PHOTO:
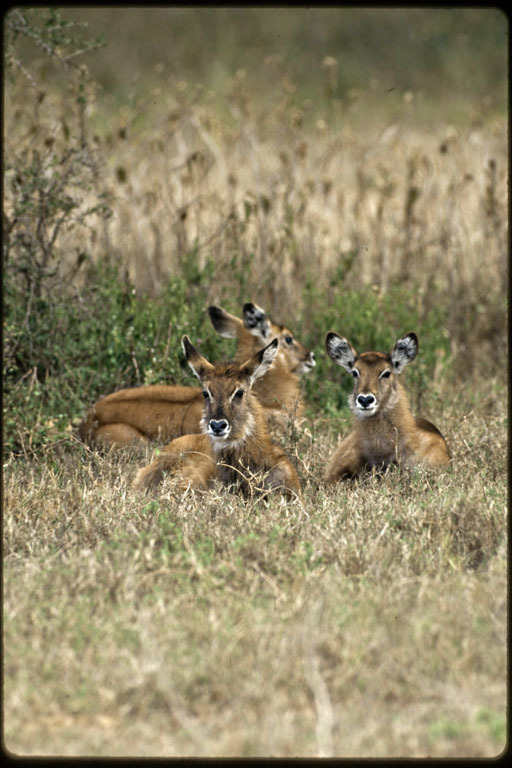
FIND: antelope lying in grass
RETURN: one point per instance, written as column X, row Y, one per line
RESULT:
column 142, row 414
column 279, row 390
column 162, row 412
column 235, row 445
column 385, row 430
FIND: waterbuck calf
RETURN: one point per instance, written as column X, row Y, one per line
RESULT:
column 162, row 412
column 279, row 390
column 255, row 330
column 385, row 430
column 141, row 414
column 235, row 446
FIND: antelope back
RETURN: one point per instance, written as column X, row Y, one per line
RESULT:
column 230, row 410
column 376, row 386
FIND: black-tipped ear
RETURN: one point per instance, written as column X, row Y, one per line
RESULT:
column 404, row 351
column 187, row 346
column 225, row 324
column 199, row 364
column 340, row 351
column 256, row 320
column 259, row 363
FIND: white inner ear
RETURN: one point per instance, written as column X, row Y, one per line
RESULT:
column 229, row 332
column 259, row 332
column 261, row 329
column 404, row 352
column 268, row 358
column 227, row 325
column 187, row 358
column 341, row 353
column 194, row 370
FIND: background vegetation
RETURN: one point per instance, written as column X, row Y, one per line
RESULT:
column 347, row 170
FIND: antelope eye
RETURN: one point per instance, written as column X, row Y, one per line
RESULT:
column 206, row 394
column 355, row 373
column 288, row 339
column 239, row 394
column 385, row 374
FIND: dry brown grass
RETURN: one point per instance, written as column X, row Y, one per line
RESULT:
column 369, row 620
column 391, row 201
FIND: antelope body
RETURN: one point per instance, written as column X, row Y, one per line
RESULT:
column 142, row 414
column 162, row 412
column 235, row 446
column 385, row 430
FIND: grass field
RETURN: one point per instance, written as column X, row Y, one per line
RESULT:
column 366, row 620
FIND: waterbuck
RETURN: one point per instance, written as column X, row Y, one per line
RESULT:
column 235, row 445
column 279, row 390
column 162, row 412
column 384, row 430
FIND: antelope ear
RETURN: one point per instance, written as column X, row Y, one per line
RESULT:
column 256, row 321
column 404, row 351
column 258, row 364
column 225, row 324
column 340, row 350
column 199, row 364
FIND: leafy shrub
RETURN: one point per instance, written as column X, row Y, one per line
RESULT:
column 69, row 350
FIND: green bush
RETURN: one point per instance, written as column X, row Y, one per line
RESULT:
column 68, row 351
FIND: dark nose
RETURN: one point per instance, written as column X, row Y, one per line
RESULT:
column 365, row 400
column 218, row 427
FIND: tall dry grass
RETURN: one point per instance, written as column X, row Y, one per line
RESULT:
column 270, row 197
column 260, row 193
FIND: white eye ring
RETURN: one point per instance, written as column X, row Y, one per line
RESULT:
column 385, row 374
column 355, row 373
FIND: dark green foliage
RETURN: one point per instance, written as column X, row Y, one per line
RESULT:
column 68, row 350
